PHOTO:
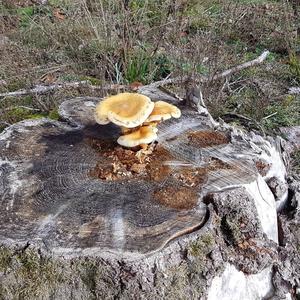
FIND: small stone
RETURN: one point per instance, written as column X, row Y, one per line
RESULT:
column 278, row 188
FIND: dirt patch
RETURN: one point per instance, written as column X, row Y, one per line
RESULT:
column 178, row 198
column 207, row 138
column 121, row 163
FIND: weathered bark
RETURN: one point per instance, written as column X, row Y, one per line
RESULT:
column 68, row 235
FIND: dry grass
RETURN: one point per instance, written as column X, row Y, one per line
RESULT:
column 125, row 41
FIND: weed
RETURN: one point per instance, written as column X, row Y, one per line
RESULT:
column 294, row 66
column 5, row 259
column 138, row 68
column 126, row 41
column 53, row 114
column 26, row 14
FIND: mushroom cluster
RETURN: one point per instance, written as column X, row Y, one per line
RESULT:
column 137, row 116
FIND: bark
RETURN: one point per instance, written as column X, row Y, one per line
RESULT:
column 66, row 234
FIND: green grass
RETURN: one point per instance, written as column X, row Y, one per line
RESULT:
column 294, row 66
column 285, row 113
column 149, row 40
column 26, row 14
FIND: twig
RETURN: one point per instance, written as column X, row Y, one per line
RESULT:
column 243, row 66
column 21, row 106
column 5, row 123
column 43, row 89
column 269, row 116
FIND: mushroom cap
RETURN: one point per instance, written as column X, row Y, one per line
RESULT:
column 125, row 109
column 163, row 111
column 143, row 135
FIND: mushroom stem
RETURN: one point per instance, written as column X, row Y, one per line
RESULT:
column 144, row 146
column 126, row 130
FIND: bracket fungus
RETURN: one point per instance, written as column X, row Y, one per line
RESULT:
column 137, row 115
column 163, row 111
column 126, row 109
column 143, row 135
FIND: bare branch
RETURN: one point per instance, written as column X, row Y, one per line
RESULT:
column 217, row 76
column 243, row 66
column 20, row 106
column 43, row 89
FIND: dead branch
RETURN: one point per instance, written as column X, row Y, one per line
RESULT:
column 43, row 89
column 217, row 76
column 243, row 66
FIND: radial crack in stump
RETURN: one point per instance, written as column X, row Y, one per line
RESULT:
column 75, row 190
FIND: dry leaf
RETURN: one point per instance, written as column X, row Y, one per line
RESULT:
column 58, row 14
column 135, row 85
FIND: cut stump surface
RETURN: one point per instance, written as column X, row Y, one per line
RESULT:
column 54, row 192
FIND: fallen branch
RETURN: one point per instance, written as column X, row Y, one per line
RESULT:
column 21, row 106
column 44, row 89
column 243, row 66
column 217, row 76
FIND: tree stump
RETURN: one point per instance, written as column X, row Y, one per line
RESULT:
column 83, row 218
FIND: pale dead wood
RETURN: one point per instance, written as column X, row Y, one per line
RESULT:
column 217, row 76
column 294, row 90
column 44, row 89
column 21, row 106
column 243, row 66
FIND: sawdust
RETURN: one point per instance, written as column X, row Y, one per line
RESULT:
column 177, row 197
column 262, row 167
column 208, row 138
column 178, row 185
column 218, row 164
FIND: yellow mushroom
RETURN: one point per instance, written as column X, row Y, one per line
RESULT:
column 143, row 135
column 125, row 109
column 163, row 111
